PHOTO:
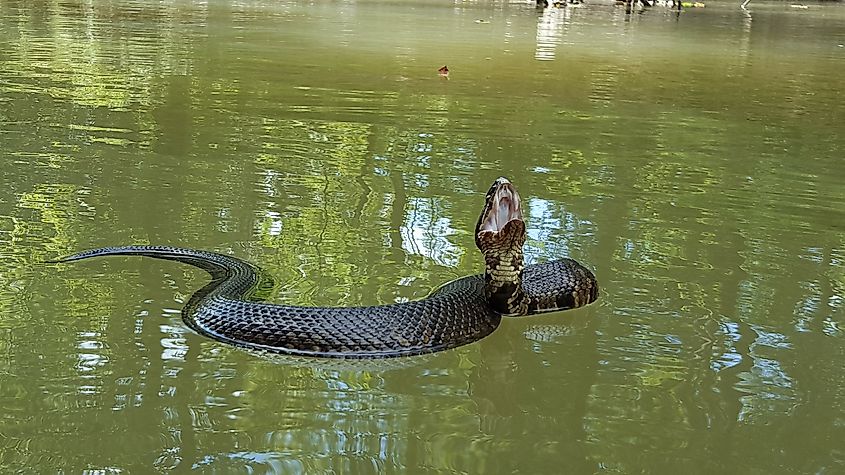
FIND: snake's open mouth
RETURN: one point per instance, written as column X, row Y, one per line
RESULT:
column 502, row 206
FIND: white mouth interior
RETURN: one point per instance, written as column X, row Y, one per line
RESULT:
column 504, row 209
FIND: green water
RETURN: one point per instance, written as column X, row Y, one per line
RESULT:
column 693, row 160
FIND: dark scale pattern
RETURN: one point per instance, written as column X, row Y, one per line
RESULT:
column 453, row 315
column 558, row 285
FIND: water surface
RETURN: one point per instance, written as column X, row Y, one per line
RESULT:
column 693, row 160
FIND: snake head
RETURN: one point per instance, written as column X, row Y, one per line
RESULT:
column 501, row 219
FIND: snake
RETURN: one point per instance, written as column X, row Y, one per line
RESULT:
column 229, row 308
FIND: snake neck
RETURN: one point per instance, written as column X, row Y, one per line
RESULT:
column 503, row 268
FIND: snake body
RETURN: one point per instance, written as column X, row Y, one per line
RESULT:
column 460, row 312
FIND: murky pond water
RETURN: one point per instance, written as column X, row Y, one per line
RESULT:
column 693, row 160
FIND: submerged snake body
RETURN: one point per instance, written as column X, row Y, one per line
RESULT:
column 453, row 315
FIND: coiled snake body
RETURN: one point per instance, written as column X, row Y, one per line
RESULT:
column 460, row 312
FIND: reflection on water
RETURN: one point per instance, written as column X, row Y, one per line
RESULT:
column 551, row 28
column 691, row 159
column 426, row 234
